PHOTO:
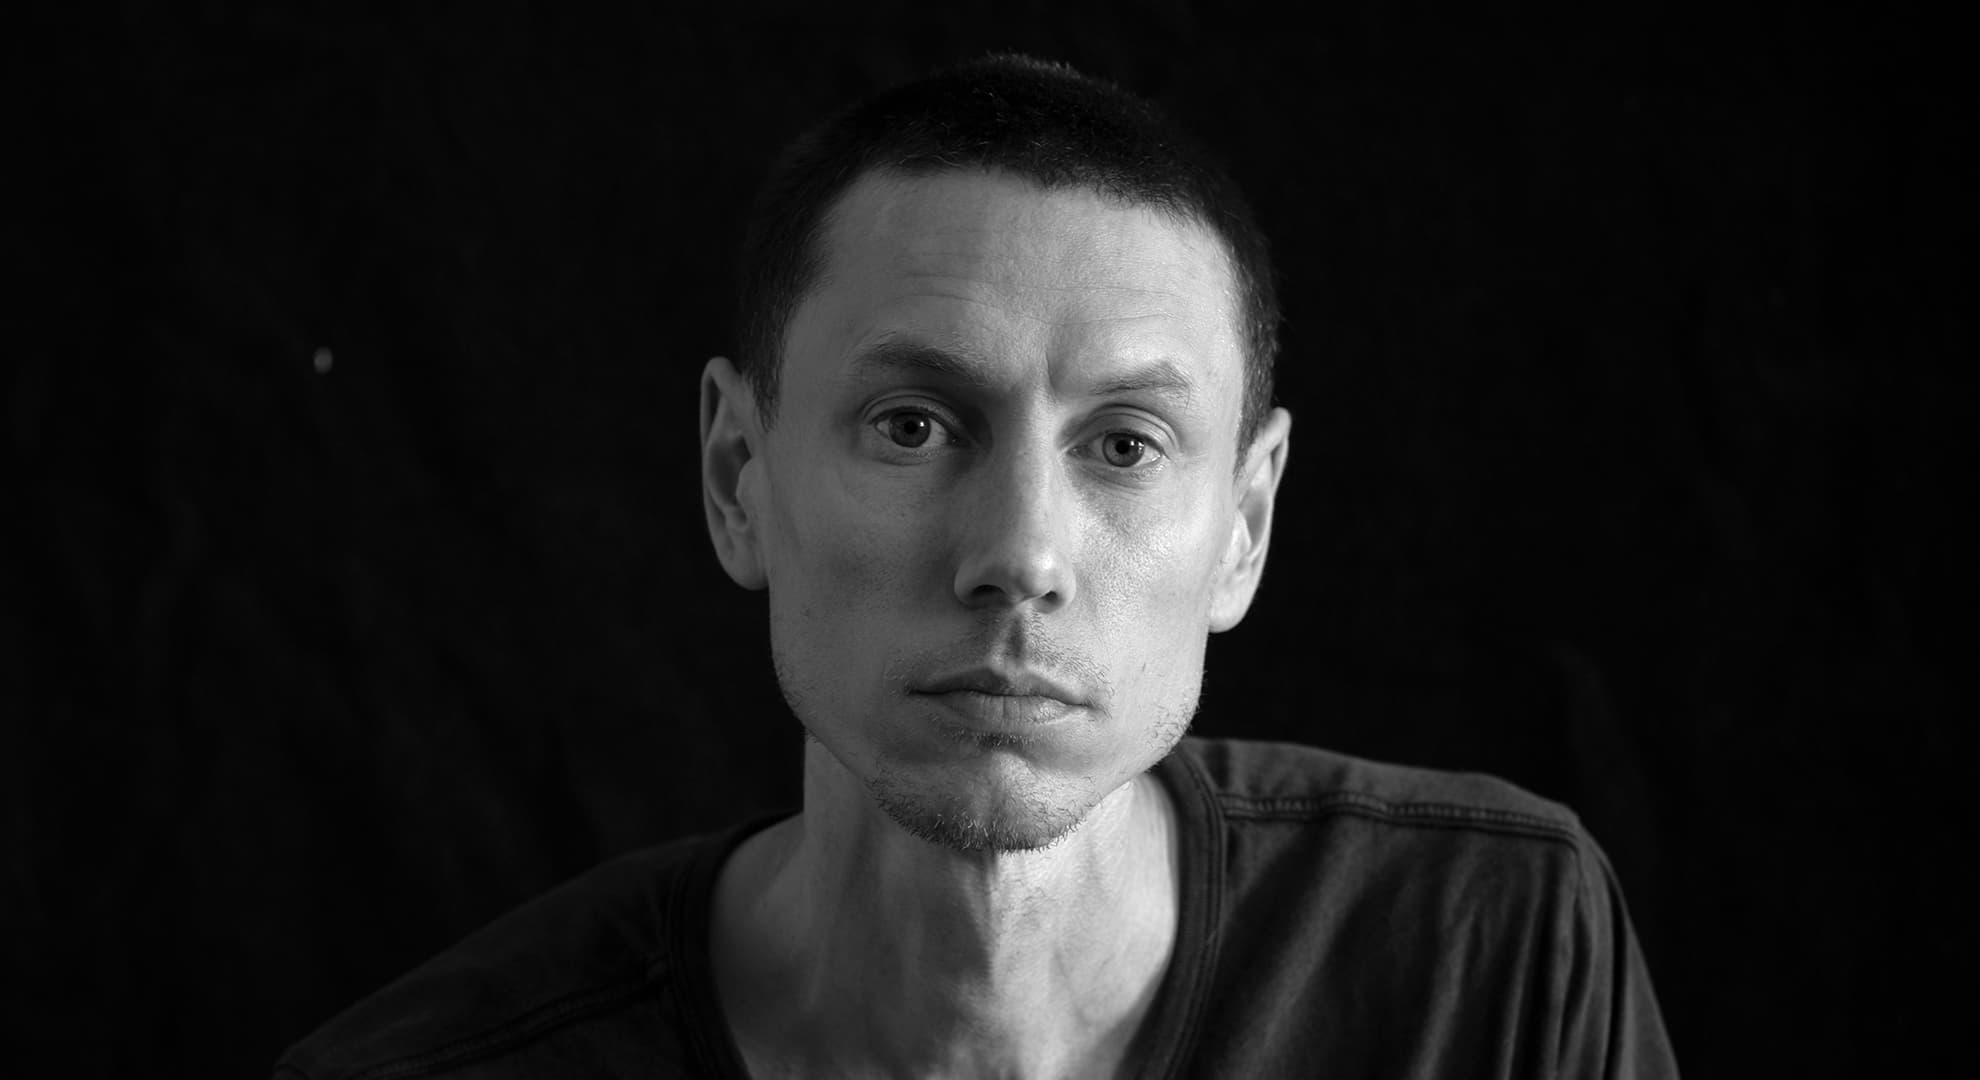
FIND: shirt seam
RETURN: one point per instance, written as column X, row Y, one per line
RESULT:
column 1424, row 814
column 703, row 1027
column 1209, row 916
column 690, row 916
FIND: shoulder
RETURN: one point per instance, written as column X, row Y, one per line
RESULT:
column 579, row 956
column 1308, row 834
column 1285, row 814
column 1266, row 781
column 1331, row 886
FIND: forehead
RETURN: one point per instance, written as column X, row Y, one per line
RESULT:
column 997, row 266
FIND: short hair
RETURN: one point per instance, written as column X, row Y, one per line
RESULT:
column 1039, row 120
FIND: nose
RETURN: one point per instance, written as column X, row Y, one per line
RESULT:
column 1014, row 536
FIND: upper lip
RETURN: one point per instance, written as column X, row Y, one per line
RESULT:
column 1002, row 684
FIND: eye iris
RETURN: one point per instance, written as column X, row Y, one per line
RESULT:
column 909, row 429
column 1123, row 449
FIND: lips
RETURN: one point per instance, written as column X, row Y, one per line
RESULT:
column 994, row 701
column 992, row 683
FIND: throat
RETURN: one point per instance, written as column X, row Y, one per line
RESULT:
column 900, row 957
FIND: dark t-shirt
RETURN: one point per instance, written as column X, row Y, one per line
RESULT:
column 1337, row 917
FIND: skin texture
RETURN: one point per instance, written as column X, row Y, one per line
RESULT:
column 999, row 510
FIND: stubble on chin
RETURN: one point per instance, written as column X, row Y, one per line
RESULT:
column 1014, row 821
column 1022, row 815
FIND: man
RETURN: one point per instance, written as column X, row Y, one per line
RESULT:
column 999, row 442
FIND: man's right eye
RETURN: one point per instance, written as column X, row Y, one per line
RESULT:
column 910, row 428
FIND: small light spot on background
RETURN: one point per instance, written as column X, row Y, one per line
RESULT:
column 322, row 360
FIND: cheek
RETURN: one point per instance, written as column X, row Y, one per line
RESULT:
column 1150, row 576
column 843, row 564
column 1155, row 564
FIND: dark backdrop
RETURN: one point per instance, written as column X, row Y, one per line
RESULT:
column 1624, row 468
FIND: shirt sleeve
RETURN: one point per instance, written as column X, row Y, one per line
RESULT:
column 1612, row 1029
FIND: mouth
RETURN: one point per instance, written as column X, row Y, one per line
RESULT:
column 988, row 682
column 994, row 702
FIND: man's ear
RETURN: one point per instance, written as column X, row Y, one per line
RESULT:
column 730, row 463
column 1251, row 527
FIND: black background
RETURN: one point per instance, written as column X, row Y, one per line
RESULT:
column 1626, row 466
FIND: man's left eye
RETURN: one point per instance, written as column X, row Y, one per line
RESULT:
column 1125, row 449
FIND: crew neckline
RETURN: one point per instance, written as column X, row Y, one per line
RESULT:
column 1168, row 1033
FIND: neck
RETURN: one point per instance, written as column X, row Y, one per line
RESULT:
column 857, row 948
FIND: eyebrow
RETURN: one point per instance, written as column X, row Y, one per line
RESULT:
column 897, row 357
column 1161, row 377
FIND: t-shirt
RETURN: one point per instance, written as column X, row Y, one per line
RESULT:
column 1336, row 918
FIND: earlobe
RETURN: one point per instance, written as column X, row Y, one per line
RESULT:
column 729, row 445
column 1251, row 527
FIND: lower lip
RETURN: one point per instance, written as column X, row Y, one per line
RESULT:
column 1013, row 714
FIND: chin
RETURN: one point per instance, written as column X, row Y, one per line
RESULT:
column 995, row 803
column 1010, row 827
column 1004, row 801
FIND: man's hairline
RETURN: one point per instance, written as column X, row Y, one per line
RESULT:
column 813, row 263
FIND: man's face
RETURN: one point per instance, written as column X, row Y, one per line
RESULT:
column 998, row 508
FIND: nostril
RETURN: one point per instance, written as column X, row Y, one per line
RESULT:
column 1042, row 590
column 1013, row 594
column 1012, row 549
